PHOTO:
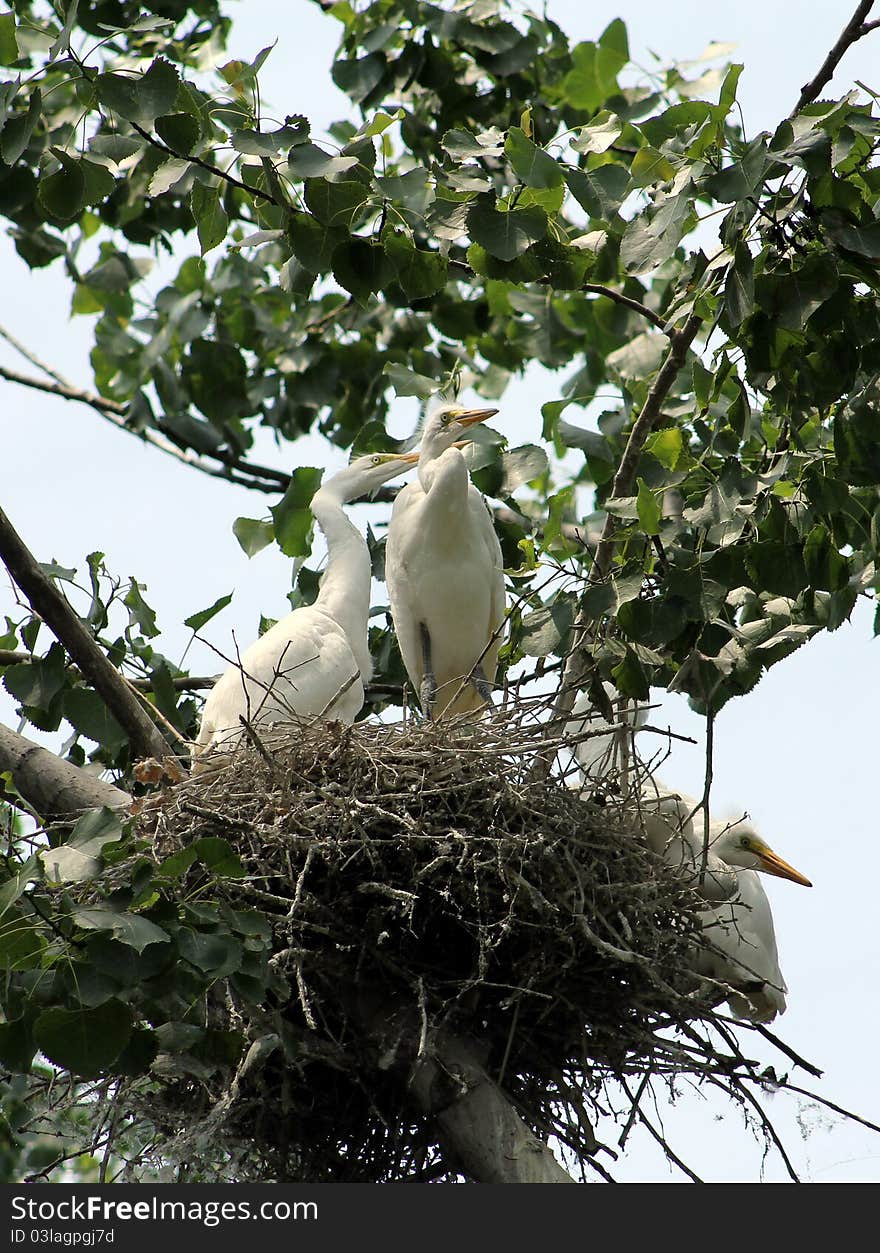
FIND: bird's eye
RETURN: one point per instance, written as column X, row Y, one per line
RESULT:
column 744, row 841
column 445, row 419
column 376, row 460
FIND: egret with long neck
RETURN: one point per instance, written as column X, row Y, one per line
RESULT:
column 315, row 661
column 444, row 571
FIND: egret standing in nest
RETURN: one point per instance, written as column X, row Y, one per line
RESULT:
column 315, row 661
column 740, row 940
column 444, row 572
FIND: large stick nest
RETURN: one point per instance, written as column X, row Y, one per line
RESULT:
column 424, row 875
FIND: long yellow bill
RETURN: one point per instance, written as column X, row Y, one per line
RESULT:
column 772, row 863
column 468, row 417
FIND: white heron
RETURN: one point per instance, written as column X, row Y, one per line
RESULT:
column 444, row 572
column 740, row 941
column 315, row 661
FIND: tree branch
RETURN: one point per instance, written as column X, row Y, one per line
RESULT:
column 185, row 683
column 205, row 165
column 854, row 30
column 623, row 485
column 53, row 607
column 482, row 1131
column 637, row 307
column 53, row 787
column 235, row 469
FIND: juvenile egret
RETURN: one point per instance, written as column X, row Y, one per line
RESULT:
column 740, row 941
column 313, row 662
column 444, row 572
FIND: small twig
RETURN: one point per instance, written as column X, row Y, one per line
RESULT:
column 854, row 30
column 627, row 301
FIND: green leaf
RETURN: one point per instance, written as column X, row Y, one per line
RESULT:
column 180, row 131
column 17, row 1047
column 210, row 216
column 598, row 136
column 408, row 382
column 253, row 535
column 140, row 98
column 292, row 515
column 601, row 192
column 593, row 77
column 16, row 886
column 84, row 1041
column 310, row 161
column 462, row 144
column 667, row 445
column 18, row 130
column 648, row 509
column 505, row 235
column 21, row 944
column 216, row 375
column 361, row 267
column 313, row 242
column 650, row 166
column 521, row 465
column 357, row 78
column 129, row 929
column 739, row 287
column 419, row 273
column 335, row 204
column 215, row 954
column 86, row 712
column 531, row 164
column 63, row 194
column 196, row 621
column 78, row 858
column 218, row 856
column 630, row 678
column 140, row 614
column 9, row 52
column 546, row 630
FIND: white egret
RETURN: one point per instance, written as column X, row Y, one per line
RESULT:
column 740, row 941
column 444, row 572
column 315, row 661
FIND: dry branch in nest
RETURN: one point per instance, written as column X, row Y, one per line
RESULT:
column 421, row 882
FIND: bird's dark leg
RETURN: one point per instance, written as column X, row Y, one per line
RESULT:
column 482, row 684
column 428, row 685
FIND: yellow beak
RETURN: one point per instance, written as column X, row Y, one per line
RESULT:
column 772, row 863
column 468, row 417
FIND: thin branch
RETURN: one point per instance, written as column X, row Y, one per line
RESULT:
column 53, row 607
column 235, row 469
column 184, row 683
column 854, row 30
column 636, row 305
column 205, row 165
column 652, row 410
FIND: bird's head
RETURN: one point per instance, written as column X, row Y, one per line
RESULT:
column 366, row 474
column 740, row 845
column 446, row 423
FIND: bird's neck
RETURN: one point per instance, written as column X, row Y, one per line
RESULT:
column 345, row 587
column 445, row 481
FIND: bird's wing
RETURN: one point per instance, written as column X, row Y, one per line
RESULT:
column 299, row 667
column 742, row 930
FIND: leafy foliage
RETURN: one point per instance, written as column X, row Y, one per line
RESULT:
column 505, row 199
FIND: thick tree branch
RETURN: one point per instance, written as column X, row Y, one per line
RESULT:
column 484, row 1135
column 52, row 787
column 855, row 29
column 52, row 606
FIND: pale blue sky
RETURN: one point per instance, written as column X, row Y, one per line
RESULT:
column 799, row 753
